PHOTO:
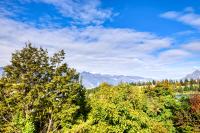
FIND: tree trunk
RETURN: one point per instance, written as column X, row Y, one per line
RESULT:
column 49, row 126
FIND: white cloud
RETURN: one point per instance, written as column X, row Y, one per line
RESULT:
column 170, row 15
column 188, row 16
column 99, row 49
column 193, row 46
column 174, row 55
column 81, row 11
column 94, row 49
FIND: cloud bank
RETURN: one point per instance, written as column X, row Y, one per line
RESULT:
column 95, row 48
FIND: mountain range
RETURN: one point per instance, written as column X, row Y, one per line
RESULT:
column 194, row 75
column 91, row 80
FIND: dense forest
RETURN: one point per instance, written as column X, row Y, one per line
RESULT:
column 41, row 94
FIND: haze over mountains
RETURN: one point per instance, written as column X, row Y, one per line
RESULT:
column 194, row 75
column 91, row 80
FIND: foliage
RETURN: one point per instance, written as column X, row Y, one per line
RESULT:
column 40, row 93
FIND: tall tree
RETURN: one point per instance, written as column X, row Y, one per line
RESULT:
column 40, row 93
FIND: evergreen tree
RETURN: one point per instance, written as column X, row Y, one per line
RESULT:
column 39, row 93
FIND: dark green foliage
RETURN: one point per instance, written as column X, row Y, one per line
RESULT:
column 39, row 93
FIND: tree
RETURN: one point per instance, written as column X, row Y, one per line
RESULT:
column 40, row 92
column 126, row 108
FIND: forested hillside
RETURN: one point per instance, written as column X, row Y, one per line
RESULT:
column 41, row 94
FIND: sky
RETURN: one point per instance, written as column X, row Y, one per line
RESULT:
column 149, row 38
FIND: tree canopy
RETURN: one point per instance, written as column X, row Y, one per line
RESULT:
column 40, row 93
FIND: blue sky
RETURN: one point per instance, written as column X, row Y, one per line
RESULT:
column 158, row 39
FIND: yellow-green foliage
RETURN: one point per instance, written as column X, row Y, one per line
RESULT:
column 125, row 108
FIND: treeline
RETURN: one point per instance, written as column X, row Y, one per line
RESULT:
column 179, row 85
column 41, row 94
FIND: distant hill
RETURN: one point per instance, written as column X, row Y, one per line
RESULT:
column 194, row 75
column 93, row 80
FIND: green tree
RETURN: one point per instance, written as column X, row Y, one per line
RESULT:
column 124, row 108
column 39, row 93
